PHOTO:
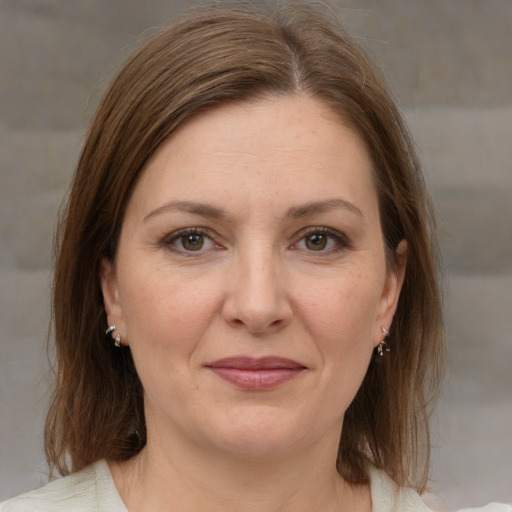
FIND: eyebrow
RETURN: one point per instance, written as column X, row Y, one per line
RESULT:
column 213, row 212
column 202, row 209
column 317, row 207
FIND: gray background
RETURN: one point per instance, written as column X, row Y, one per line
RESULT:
column 449, row 62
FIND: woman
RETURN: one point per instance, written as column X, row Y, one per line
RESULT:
column 246, row 306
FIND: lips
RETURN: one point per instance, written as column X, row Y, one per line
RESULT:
column 257, row 374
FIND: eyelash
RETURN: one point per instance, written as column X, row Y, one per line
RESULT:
column 340, row 240
column 171, row 239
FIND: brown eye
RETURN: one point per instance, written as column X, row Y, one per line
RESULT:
column 316, row 242
column 192, row 242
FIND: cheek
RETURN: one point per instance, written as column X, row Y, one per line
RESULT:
column 164, row 312
column 342, row 313
column 166, row 320
column 339, row 318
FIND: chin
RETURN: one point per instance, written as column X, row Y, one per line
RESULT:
column 257, row 432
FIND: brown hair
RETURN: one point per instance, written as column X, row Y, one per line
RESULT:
column 217, row 55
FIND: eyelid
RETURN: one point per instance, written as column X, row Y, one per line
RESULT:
column 194, row 230
column 169, row 240
column 341, row 239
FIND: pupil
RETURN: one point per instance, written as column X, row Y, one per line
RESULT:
column 193, row 242
column 316, row 242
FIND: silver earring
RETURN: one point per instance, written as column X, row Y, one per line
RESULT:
column 117, row 341
column 382, row 348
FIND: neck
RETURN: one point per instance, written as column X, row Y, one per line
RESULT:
column 189, row 479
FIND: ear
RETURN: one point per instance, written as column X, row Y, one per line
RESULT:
column 110, row 290
column 391, row 292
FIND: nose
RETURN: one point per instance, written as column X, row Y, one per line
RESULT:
column 257, row 298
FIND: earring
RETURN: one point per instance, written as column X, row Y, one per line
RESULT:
column 117, row 341
column 382, row 348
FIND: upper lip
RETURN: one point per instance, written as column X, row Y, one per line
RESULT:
column 257, row 363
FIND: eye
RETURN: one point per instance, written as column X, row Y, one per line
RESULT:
column 316, row 241
column 190, row 240
column 322, row 240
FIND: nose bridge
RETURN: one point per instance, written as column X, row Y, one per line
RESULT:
column 258, row 296
column 259, row 277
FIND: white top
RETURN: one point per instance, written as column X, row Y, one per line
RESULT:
column 93, row 490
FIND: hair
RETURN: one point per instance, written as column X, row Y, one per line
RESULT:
column 217, row 55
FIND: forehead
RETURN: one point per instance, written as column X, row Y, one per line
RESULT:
column 278, row 148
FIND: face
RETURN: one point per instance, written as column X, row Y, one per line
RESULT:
column 250, row 281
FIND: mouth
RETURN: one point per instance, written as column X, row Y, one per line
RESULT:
column 256, row 374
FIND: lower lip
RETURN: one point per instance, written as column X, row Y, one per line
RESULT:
column 257, row 380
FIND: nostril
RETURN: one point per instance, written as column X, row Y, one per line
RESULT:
column 258, row 326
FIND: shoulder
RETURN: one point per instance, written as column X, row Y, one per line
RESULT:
column 492, row 507
column 89, row 490
column 62, row 494
column 388, row 497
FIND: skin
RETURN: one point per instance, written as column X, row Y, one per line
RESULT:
column 289, row 262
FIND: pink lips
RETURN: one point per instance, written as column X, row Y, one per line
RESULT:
column 257, row 374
